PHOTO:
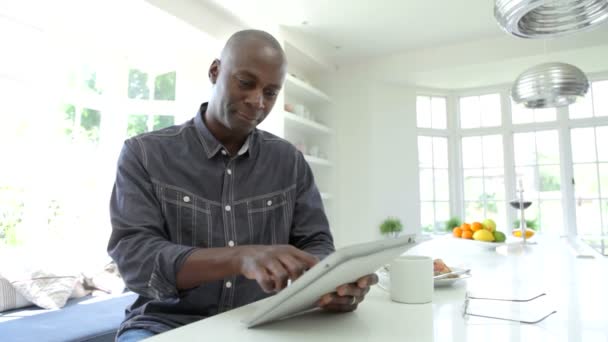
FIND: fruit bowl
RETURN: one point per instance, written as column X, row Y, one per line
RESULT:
column 482, row 244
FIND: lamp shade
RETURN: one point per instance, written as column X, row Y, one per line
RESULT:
column 549, row 18
column 550, row 85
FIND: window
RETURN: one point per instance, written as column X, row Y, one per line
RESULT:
column 521, row 115
column 595, row 102
column 431, row 112
column 434, row 182
column 141, row 123
column 537, row 165
column 480, row 111
column 483, row 178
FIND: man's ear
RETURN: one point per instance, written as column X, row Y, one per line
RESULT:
column 214, row 70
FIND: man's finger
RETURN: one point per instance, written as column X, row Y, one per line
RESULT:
column 264, row 280
column 294, row 267
column 349, row 290
column 368, row 280
column 308, row 259
column 278, row 273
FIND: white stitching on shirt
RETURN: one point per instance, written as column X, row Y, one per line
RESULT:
column 189, row 193
column 143, row 151
column 249, row 199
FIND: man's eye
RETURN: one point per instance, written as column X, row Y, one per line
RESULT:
column 271, row 93
column 245, row 83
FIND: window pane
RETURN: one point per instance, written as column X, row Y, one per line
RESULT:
column 527, row 174
column 604, row 180
column 162, row 121
column 439, row 115
column 473, row 184
column 440, row 152
column 600, row 98
column 521, row 114
column 492, row 151
column 601, row 134
column 549, row 181
column 547, row 146
column 425, row 151
column 494, row 184
column 473, row 211
column 164, row 87
column 490, row 110
column 544, row 115
column 471, row 152
column 551, row 219
column 605, row 215
column 583, row 145
column 427, row 216
column 469, row 112
column 588, row 219
column 442, row 185
column 90, row 121
column 423, row 111
column 523, row 145
column 585, row 177
column 442, row 214
column 582, row 108
column 137, row 124
column 495, row 210
column 138, row 85
column 426, row 184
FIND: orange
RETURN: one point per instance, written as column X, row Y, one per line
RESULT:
column 475, row 226
column 457, row 232
column 465, row 226
column 467, row 234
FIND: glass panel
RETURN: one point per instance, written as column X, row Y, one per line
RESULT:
column 439, row 115
column 588, row 219
column 473, row 211
column 494, row 184
column 90, row 121
column 585, row 177
column 544, row 115
column 426, row 184
column 604, row 180
column 162, row 121
column 521, row 114
column 551, row 219
column 582, row 108
column 490, row 110
column 137, row 124
column 495, row 210
column 425, row 151
column 601, row 133
column 549, row 178
column 492, row 151
column 583, row 145
column 547, row 147
column 138, row 85
column 471, row 152
column 423, row 111
column 442, row 185
column 427, row 216
column 527, row 174
column 605, row 216
column 473, row 184
column 469, row 112
column 164, row 87
column 440, row 152
column 442, row 214
column 523, row 145
column 600, row 98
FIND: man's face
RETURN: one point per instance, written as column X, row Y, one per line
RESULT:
column 247, row 85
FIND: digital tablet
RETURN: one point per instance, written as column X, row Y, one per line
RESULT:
column 346, row 265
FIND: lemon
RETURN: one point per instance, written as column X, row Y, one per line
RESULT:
column 483, row 235
column 499, row 236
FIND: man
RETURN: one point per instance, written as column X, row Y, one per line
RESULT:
column 215, row 214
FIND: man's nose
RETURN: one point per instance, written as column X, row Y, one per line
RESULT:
column 256, row 99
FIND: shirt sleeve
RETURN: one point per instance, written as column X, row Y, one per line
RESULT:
column 310, row 228
column 139, row 244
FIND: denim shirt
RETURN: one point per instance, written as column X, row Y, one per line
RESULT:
column 177, row 189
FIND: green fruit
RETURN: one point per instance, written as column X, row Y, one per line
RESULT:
column 483, row 235
column 499, row 236
column 489, row 225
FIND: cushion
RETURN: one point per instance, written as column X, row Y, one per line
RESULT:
column 47, row 290
column 10, row 298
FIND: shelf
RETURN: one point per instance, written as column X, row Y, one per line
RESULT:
column 301, row 123
column 304, row 91
column 325, row 196
column 317, row 160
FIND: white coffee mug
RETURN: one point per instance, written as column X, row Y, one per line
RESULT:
column 412, row 279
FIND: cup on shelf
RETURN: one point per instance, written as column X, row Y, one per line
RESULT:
column 289, row 107
column 314, row 151
column 301, row 147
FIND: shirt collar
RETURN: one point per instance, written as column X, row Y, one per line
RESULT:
column 210, row 143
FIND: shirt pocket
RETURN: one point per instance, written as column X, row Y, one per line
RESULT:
column 268, row 218
column 188, row 217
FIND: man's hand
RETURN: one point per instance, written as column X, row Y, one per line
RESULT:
column 272, row 266
column 348, row 296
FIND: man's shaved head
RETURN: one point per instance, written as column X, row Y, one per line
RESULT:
column 247, row 37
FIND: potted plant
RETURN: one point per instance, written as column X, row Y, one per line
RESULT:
column 452, row 223
column 391, row 227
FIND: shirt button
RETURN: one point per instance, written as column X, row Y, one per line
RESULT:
column 228, row 284
column 269, row 203
column 224, row 152
column 229, row 171
column 186, row 199
column 227, row 208
column 231, row 243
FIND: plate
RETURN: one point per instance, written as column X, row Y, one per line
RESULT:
column 450, row 281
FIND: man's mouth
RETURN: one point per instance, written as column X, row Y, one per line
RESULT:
column 247, row 117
